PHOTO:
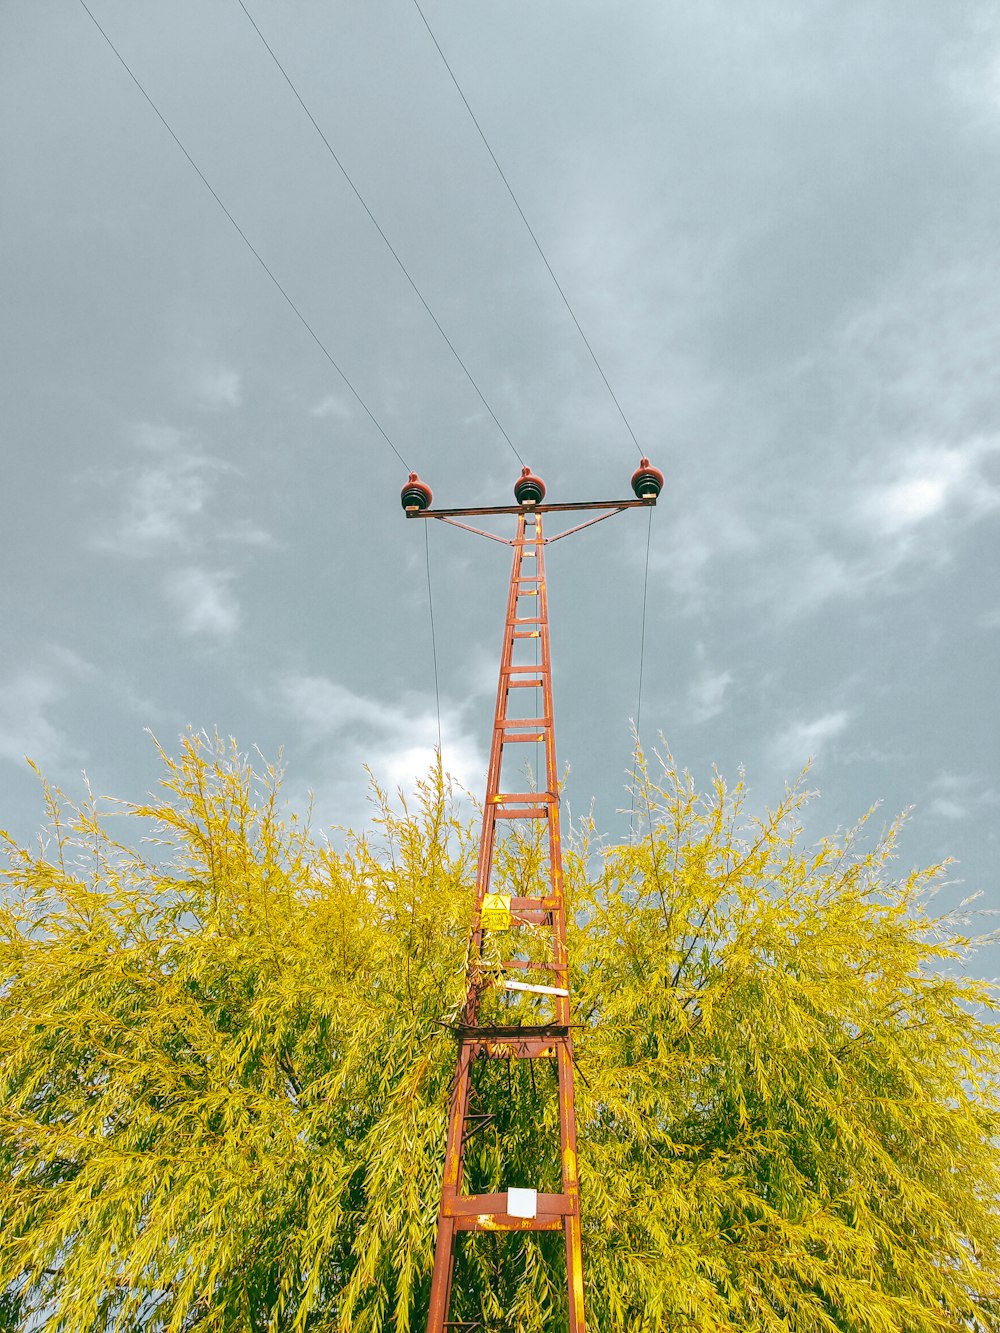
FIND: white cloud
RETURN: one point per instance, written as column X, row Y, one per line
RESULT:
column 707, row 695
column 398, row 766
column 921, row 352
column 860, row 532
column 219, row 388
column 479, row 673
column 957, row 796
column 397, row 741
column 332, row 406
column 166, row 499
column 156, row 437
column 325, row 707
column 26, row 729
column 805, row 740
column 695, row 537
column 241, row 532
column 203, row 601
column 906, row 466
column 815, row 577
column 161, row 503
column 948, row 809
column 27, row 701
column 929, row 480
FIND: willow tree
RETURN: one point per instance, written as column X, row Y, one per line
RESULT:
column 225, row 1055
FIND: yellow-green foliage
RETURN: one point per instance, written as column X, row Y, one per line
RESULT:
column 224, row 1078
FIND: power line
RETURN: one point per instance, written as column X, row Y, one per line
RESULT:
column 375, row 223
column 434, row 651
column 538, row 246
column 246, row 240
column 642, row 659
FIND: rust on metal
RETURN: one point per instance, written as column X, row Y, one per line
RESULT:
column 460, row 1211
column 552, row 1041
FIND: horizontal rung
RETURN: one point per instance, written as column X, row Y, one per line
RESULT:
column 532, row 911
column 524, row 670
column 543, row 1222
column 526, row 634
column 501, row 1032
column 525, row 812
column 525, row 684
column 515, row 1048
column 532, row 736
column 510, row 722
column 510, row 797
column 495, row 1205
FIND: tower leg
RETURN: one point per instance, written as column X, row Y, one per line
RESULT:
column 444, row 1253
column 571, row 1187
column 444, row 1267
column 574, row 1274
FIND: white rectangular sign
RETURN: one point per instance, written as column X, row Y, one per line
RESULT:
column 535, row 990
column 522, row 1203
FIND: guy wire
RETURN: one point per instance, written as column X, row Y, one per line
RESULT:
column 537, row 243
column 375, row 223
column 246, row 240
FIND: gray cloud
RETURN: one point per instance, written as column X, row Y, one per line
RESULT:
column 778, row 226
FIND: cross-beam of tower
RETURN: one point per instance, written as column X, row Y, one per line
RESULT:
column 533, row 982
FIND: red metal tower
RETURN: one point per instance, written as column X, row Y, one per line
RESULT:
column 539, row 981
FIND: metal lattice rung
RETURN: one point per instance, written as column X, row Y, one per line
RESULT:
column 524, row 797
column 481, row 1121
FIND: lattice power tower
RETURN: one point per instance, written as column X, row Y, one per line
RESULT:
column 535, row 981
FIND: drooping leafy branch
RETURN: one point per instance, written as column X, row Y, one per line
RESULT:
column 224, row 1075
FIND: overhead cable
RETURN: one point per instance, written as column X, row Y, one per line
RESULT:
column 246, row 240
column 434, row 651
column 642, row 659
column 531, row 233
column 388, row 244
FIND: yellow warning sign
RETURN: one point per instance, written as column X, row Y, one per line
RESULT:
column 496, row 911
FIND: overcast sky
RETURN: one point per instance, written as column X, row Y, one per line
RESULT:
column 777, row 224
